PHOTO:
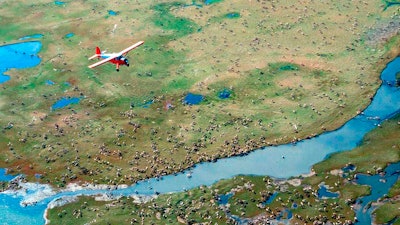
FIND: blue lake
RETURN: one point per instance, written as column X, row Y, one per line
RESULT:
column 64, row 102
column 297, row 159
column 19, row 56
column 193, row 99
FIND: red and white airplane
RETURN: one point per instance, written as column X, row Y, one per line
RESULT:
column 115, row 58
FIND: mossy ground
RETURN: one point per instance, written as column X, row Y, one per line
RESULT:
column 295, row 71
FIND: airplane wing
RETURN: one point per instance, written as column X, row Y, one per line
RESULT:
column 125, row 51
column 112, row 56
column 94, row 56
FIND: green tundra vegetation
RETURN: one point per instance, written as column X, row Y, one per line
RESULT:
column 292, row 70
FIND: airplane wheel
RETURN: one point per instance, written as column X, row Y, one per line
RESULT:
column 127, row 65
column 117, row 70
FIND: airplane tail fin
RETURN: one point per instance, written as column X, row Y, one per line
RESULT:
column 98, row 54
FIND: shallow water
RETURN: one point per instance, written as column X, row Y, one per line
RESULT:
column 12, row 213
column 380, row 185
column 270, row 199
column 268, row 161
column 232, row 15
column 4, row 176
column 49, row 82
column 60, row 3
column 209, row 2
column 224, row 199
column 31, row 36
column 324, row 193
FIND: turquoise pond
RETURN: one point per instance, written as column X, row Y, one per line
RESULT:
column 288, row 67
column 28, row 206
column 49, row 82
column 69, row 35
column 232, row 15
column 59, row 3
column 209, row 2
column 112, row 13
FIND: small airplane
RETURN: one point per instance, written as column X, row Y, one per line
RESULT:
column 115, row 58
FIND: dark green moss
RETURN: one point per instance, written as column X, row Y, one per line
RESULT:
column 282, row 66
column 167, row 21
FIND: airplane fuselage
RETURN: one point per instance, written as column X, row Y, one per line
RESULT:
column 118, row 61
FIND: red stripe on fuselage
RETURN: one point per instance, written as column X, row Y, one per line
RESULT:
column 117, row 61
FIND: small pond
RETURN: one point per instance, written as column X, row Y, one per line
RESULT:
column 69, row 35
column 64, row 102
column 225, row 93
column 193, row 99
column 232, row 15
column 112, row 13
column 59, row 3
column 324, row 193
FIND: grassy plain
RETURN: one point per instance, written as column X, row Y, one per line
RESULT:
column 200, row 205
column 295, row 69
